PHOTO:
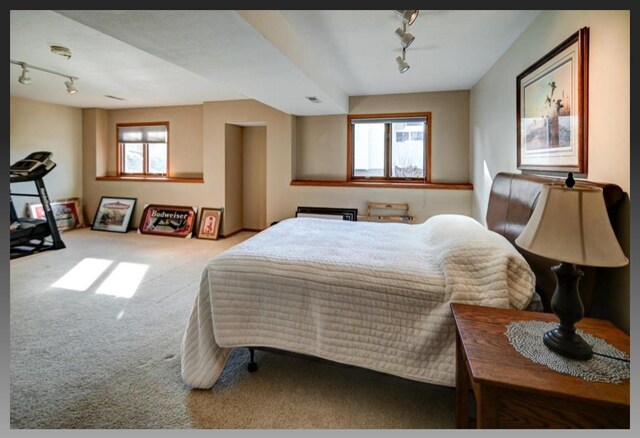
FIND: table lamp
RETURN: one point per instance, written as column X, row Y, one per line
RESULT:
column 570, row 224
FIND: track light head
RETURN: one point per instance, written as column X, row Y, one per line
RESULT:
column 71, row 89
column 408, row 16
column 24, row 78
column 405, row 37
column 403, row 66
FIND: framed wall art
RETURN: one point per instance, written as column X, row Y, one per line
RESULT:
column 67, row 212
column 552, row 109
column 114, row 214
column 168, row 220
column 209, row 226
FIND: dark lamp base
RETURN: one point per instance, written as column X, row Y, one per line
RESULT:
column 570, row 345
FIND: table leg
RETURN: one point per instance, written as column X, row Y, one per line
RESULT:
column 462, row 387
column 486, row 407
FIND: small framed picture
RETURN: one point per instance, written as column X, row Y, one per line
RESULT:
column 168, row 220
column 114, row 214
column 67, row 212
column 209, row 223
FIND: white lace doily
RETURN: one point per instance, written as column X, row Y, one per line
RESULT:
column 526, row 338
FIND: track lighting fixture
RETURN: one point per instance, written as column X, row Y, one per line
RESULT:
column 405, row 37
column 409, row 16
column 26, row 79
column 403, row 66
column 71, row 89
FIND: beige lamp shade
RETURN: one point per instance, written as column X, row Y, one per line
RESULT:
column 571, row 225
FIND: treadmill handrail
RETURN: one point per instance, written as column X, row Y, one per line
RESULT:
column 38, row 173
column 25, row 194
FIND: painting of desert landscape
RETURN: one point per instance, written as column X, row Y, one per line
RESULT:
column 546, row 119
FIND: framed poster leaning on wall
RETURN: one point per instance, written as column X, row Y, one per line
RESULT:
column 67, row 212
column 114, row 214
column 209, row 226
column 168, row 220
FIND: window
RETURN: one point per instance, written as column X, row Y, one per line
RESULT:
column 143, row 149
column 390, row 147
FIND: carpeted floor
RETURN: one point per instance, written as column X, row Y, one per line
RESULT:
column 83, row 357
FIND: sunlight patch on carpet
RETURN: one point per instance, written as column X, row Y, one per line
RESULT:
column 124, row 280
column 83, row 275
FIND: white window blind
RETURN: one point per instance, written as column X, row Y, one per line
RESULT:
column 142, row 134
column 391, row 120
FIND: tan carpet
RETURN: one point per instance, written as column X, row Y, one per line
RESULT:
column 81, row 359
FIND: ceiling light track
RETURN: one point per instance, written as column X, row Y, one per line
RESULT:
column 25, row 79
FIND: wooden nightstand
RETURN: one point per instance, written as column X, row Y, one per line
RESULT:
column 511, row 391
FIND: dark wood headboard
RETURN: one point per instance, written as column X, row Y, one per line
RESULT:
column 511, row 202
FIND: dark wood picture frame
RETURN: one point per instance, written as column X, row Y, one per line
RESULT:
column 114, row 213
column 347, row 214
column 168, row 220
column 552, row 130
column 209, row 223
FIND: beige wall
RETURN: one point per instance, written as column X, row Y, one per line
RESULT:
column 185, row 143
column 254, row 177
column 210, row 157
column 422, row 203
column 37, row 126
column 95, row 147
column 185, row 135
column 278, row 149
column 493, row 98
column 282, row 152
column 321, row 141
column 493, row 114
column 321, row 153
column 233, row 179
column 449, row 127
column 321, row 147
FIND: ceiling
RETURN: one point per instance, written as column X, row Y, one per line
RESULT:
column 157, row 58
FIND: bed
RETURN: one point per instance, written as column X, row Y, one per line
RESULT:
column 373, row 295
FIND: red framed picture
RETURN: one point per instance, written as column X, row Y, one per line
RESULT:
column 67, row 212
column 168, row 220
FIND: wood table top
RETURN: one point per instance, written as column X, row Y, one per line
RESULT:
column 492, row 359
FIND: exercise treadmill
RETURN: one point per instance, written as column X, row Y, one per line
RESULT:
column 31, row 235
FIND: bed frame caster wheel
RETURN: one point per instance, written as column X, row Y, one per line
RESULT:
column 253, row 366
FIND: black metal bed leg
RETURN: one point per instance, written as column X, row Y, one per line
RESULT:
column 253, row 366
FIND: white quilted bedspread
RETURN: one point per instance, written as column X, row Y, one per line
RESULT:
column 374, row 295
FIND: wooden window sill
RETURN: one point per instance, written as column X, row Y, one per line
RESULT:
column 151, row 179
column 384, row 184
